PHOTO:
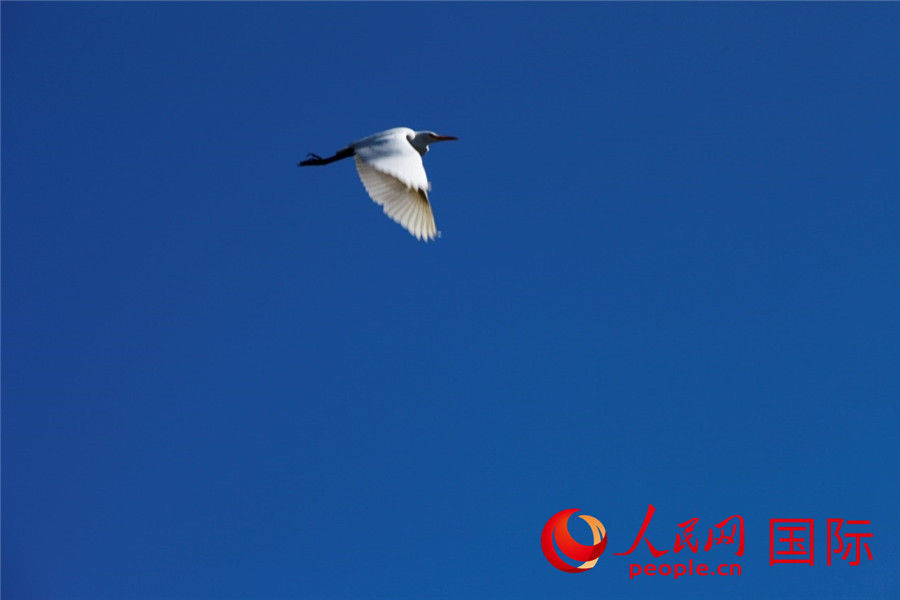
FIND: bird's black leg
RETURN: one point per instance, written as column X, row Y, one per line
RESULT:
column 315, row 160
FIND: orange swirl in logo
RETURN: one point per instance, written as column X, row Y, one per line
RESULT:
column 557, row 528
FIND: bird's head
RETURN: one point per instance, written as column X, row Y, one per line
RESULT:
column 421, row 139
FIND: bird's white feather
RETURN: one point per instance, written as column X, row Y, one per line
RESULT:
column 390, row 152
column 406, row 205
column 394, row 176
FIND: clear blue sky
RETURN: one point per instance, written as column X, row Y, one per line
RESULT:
column 668, row 274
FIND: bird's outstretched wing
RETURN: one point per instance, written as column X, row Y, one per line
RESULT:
column 392, row 172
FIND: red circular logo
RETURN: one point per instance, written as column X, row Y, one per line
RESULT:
column 557, row 529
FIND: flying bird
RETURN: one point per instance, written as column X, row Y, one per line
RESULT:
column 390, row 166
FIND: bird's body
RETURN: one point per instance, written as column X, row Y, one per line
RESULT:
column 390, row 166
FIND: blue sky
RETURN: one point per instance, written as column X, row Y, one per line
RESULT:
column 668, row 274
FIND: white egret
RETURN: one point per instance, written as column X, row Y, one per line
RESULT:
column 390, row 166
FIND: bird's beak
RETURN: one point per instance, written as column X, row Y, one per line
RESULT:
column 445, row 138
